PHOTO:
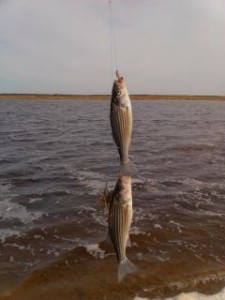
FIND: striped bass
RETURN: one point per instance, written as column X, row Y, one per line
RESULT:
column 119, row 220
column 121, row 123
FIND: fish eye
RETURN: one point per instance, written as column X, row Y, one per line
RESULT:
column 118, row 92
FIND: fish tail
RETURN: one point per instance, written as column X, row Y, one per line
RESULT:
column 127, row 169
column 125, row 267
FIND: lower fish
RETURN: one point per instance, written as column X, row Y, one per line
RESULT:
column 119, row 221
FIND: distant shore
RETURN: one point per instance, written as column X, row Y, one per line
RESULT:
column 107, row 97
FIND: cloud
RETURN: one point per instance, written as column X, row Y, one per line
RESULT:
column 58, row 46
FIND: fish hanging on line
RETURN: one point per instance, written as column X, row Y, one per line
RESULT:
column 119, row 203
column 121, row 123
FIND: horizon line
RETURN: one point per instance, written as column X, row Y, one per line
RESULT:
column 103, row 94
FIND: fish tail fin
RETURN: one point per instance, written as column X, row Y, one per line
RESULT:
column 128, row 168
column 125, row 267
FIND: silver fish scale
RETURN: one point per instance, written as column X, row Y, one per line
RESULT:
column 121, row 122
column 119, row 224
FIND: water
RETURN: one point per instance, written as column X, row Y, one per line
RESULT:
column 55, row 157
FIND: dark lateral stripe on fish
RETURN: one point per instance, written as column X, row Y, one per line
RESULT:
column 123, row 239
column 121, row 133
column 113, row 230
column 123, row 119
column 116, row 128
column 115, row 234
column 119, row 231
column 125, row 134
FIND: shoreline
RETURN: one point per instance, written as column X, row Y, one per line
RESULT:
column 14, row 96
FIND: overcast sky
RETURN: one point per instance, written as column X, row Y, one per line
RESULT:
column 63, row 46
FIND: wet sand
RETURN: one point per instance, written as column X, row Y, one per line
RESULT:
column 91, row 273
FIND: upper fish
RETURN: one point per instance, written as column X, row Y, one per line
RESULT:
column 121, row 123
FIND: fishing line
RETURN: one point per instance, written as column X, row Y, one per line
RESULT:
column 112, row 41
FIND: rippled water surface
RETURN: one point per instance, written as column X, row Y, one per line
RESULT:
column 55, row 157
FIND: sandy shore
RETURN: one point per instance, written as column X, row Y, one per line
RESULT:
column 84, row 274
column 107, row 97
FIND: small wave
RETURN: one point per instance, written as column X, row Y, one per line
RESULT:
column 10, row 210
column 143, row 214
column 6, row 232
column 193, row 183
column 192, row 296
column 87, row 212
column 194, row 147
column 100, row 217
column 204, row 279
column 150, row 185
column 137, row 231
column 34, row 200
column 94, row 181
column 202, row 201
column 210, row 213
column 177, row 225
column 198, row 184
column 158, row 226
column 5, row 187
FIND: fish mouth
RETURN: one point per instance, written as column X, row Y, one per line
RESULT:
column 119, row 83
column 120, row 79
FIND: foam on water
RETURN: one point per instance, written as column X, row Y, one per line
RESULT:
column 34, row 200
column 191, row 296
column 150, row 185
column 194, row 183
column 95, row 251
column 177, row 225
column 210, row 213
column 94, row 181
column 6, row 232
column 10, row 210
column 5, row 187
column 140, row 214
column 98, row 215
column 198, row 184
column 101, row 217
column 134, row 230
